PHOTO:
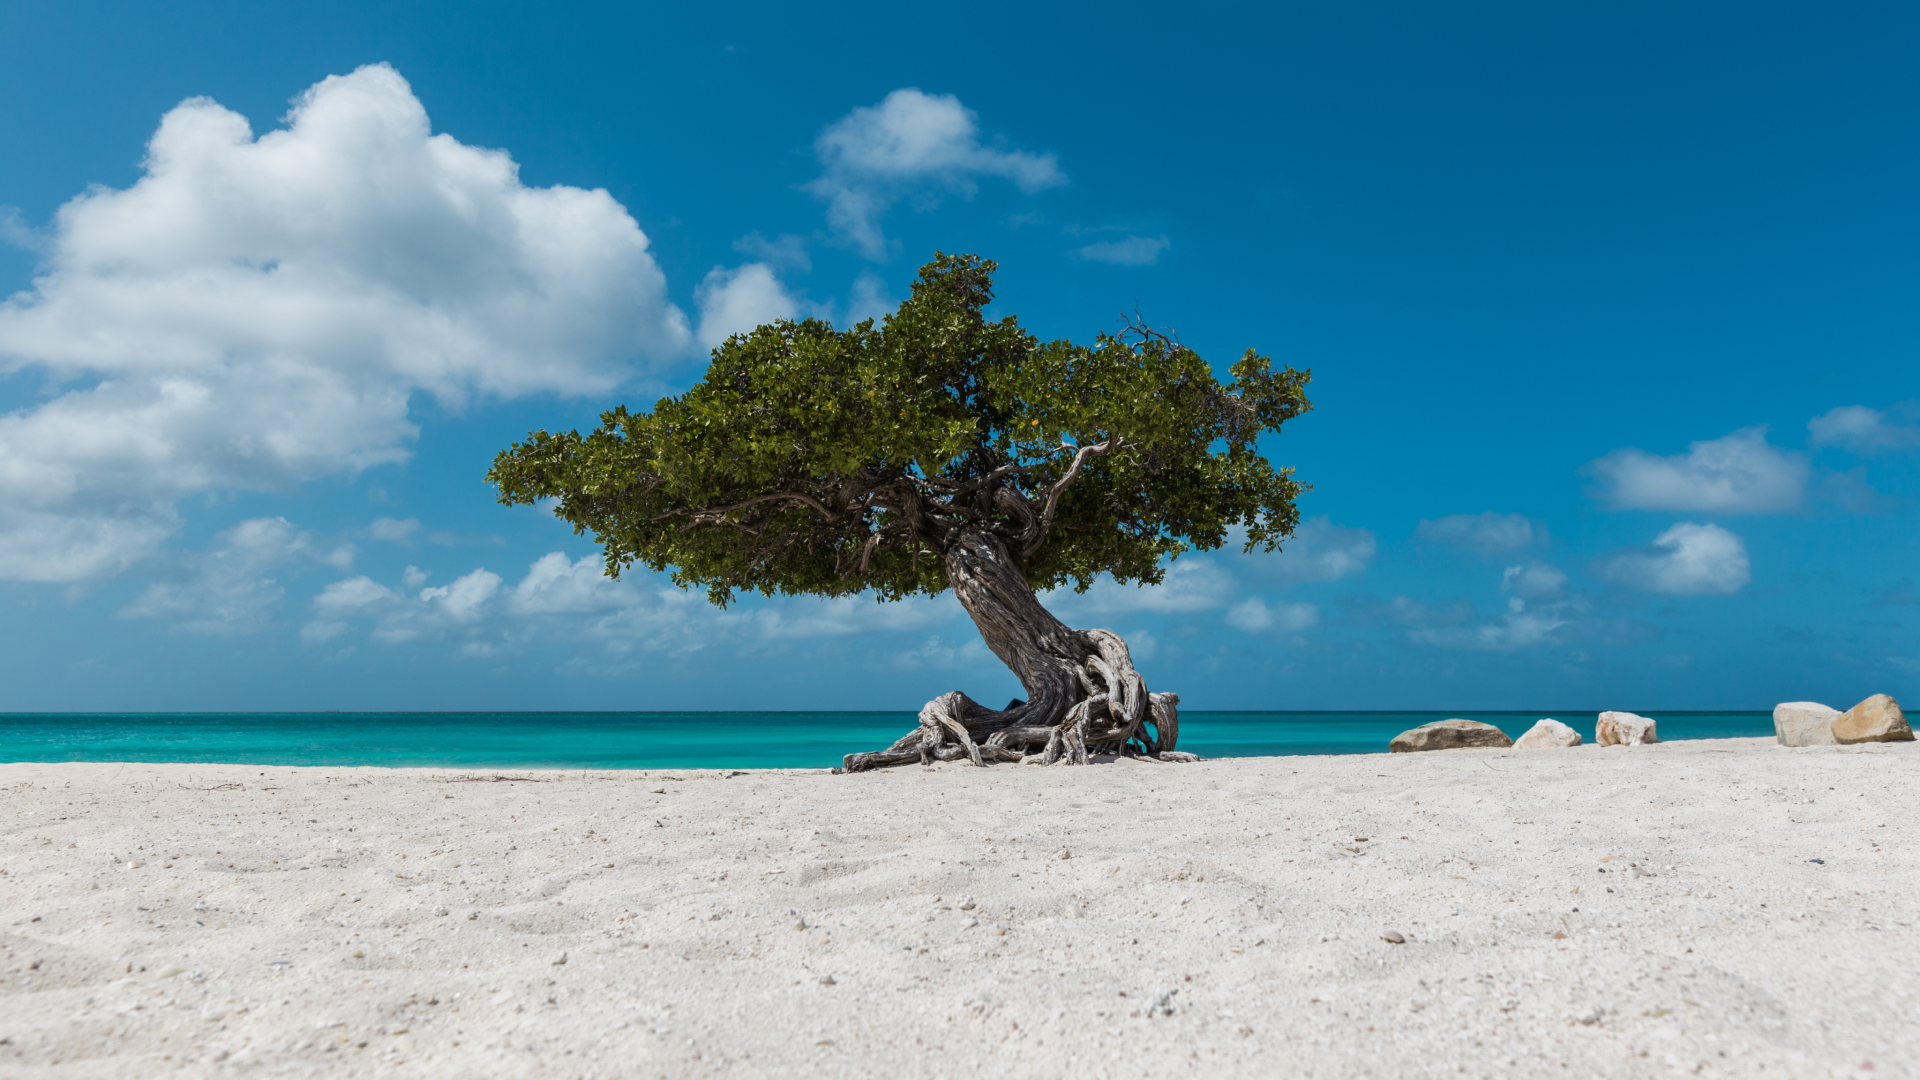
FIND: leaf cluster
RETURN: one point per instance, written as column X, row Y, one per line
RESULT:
column 811, row 460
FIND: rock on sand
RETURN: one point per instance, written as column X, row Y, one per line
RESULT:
column 1624, row 729
column 1803, row 723
column 1449, row 735
column 1547, row 734
column 1877, row 719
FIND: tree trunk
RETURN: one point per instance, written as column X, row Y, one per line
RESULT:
column 1083, row 695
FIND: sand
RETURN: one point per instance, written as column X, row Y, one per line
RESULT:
column 1720, row 908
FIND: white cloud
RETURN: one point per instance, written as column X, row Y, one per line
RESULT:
column 351, row 596
column 735, row 301
column 562, row 598
column 458, row 608
column 1253, row 615
column 943, row 653
column 465, row 600
column 254, row 313
column 806, row 618
column 1193, row 583
column 1487, row 532
column 1538, row 581
column 1535, row 613
column 738, row 300
column 453, row 609
column 556, row 584
column 1517, row 630
column 15, row 231
column 1864, row 431
column 394, row 530
column 1738, row 473
column 1318, row 551
column 911, row 143
column 1132, row 251
column 868, row 299
column 228, row 590
column 1686, row 560
column 340, row 600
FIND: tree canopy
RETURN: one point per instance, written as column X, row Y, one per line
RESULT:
column 811, row 460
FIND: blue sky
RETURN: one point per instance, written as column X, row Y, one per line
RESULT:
column 1612, row 316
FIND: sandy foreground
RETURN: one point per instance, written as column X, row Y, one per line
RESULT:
column 1721, row 908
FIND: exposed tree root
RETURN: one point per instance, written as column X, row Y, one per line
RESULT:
column 1116, row 715
column 1083, row 695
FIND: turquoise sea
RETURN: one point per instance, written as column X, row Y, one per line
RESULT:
column 685, row 740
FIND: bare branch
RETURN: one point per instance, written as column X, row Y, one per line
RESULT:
column 714, row 514
column 1105, row 446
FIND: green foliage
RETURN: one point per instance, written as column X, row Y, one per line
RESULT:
column 822, row 461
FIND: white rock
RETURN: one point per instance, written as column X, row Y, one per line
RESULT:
column 1803, row 723
column 1624, row 729
column 1546, row 735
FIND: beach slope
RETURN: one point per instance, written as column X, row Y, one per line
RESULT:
column 1725, row 907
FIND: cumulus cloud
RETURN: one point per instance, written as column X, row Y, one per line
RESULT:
column 911, row 144
column 573, row 599
column 256, row 312
column 1686, row 560
column 1254, row 615
column 14, row 230
column 1538, row 581
column 1536, row 613
column 555, row 584
column 1862, row 430
column 1487, row 533
column 1193, row 584
column 1132, row 251
column 1318, row 551
column 229, row 589
column 1740, row 473
column 400, row 617
column 735, row 301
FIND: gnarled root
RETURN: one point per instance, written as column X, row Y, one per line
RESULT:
column 1112, row 714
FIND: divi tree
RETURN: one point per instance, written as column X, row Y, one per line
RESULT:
column 940, row 450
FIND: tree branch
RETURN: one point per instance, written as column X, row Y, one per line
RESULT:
column 1107, row 445
column 713, row 514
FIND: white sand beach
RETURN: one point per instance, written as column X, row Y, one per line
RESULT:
column 1714, row 908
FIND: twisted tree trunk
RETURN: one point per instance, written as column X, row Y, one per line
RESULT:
column 1083, row 695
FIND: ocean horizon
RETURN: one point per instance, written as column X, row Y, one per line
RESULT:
column 691, row 740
